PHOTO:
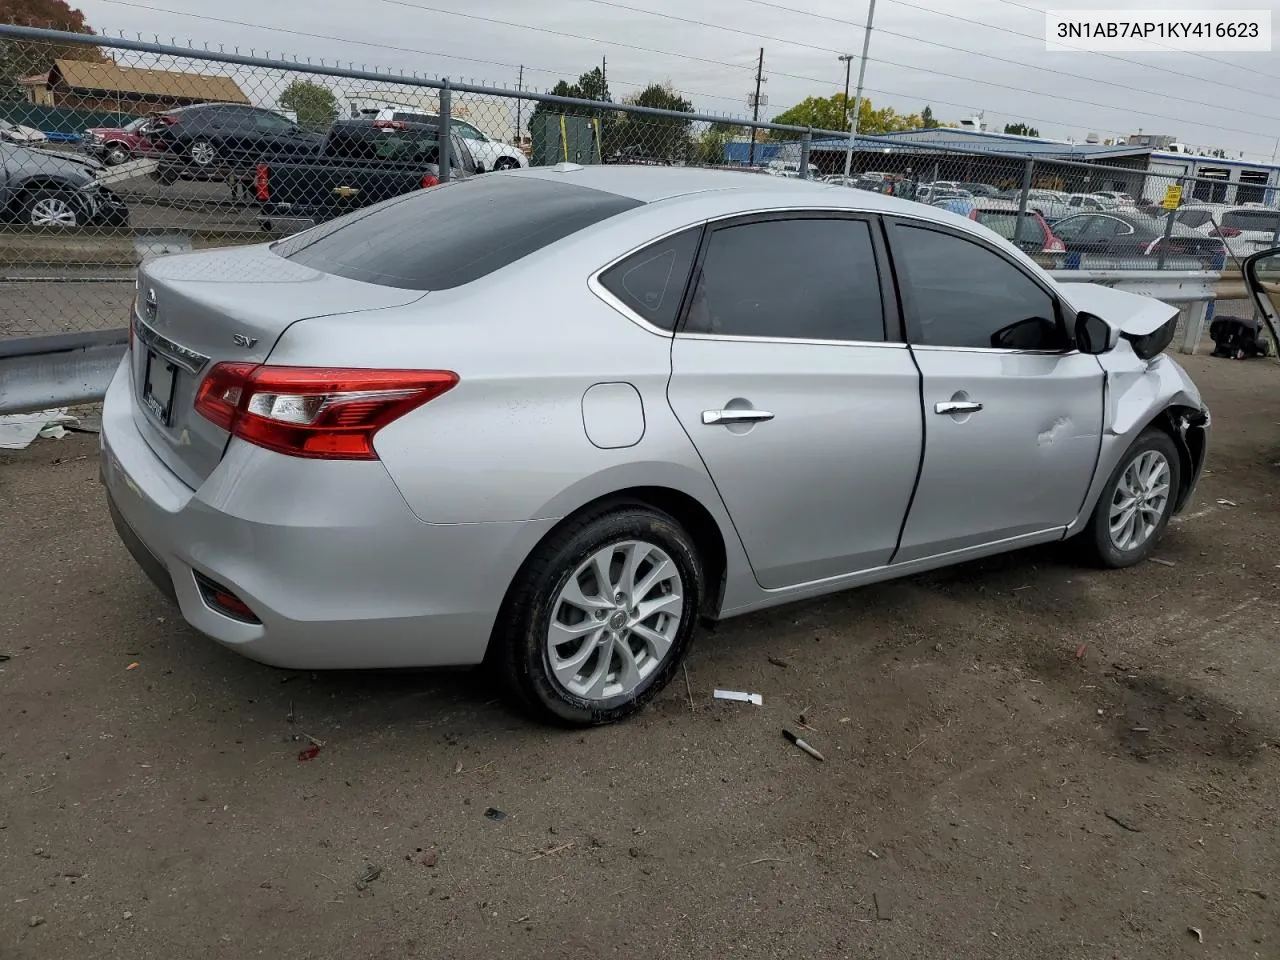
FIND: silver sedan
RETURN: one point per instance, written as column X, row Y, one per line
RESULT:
column 551, row 419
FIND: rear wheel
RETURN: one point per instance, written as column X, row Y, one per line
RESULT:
column 1136, row 504
column 115, row 155
column 506, row 163
column 601, row 616
column 202, row 153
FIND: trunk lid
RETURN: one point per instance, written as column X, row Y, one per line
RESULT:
column 196, row 310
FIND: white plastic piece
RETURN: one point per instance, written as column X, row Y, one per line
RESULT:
column 738, row 695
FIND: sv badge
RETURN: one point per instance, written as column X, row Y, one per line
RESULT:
column 240, row 340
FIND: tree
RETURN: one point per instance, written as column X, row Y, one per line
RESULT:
column 1021, row 130
column 666, row 137
column 830, row 113
column 710, row 146
column 927, row 120
column 314, row 103
column 592, row 85
column 26, row 58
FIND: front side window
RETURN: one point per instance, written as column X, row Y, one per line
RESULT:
column 467, row 131
column 271, row 123
column 961, row 294
column 651, row 281
column 800, row 278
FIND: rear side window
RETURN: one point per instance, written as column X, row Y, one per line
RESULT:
column 447, row 236
column 1267, row 220
column 805, row 279
column 651, row 281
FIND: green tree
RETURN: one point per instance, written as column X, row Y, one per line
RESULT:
column 666, row 137
column 710, row 146
column 1021, row 130
column 592, row 85
column 829, row 113
column 927, row 119
column 26, row 58
column 314, row 103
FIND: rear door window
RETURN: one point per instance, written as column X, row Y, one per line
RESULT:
column 1265, row 220
column 450, row 235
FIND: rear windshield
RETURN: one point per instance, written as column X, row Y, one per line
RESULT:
column 1002, row 223
column 1194, row 218
column 453, row 234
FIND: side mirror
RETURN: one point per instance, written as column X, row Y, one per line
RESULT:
column 1094, row 335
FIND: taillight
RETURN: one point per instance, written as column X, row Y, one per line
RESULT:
column 429, row 181
column 171, row 120
column 262, row 182
column 1224, row 232
column 1055, row 246
column 390, row 124
column 321, row 412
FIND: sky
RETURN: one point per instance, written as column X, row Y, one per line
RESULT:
column 917, row 55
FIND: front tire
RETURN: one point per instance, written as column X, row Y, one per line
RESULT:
column 116, row 154
column 52, row 208
column 1136, row 504
column 506, row 163
column 202, row 154
column 600, row 616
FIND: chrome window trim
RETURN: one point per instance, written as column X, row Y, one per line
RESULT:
column 1001, row 350
column 738, row 338
column 189, row 360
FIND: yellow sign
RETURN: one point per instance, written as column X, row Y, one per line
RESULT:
column 1172, row 197
column 345, row 192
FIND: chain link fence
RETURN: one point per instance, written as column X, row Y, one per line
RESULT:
column 115, row 150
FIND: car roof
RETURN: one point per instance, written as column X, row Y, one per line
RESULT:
column 655, row 184
column 997, row 203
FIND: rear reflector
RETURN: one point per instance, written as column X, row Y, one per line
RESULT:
column 429, row 181
column 319, row 412
column 223, row 601
column 262, row 182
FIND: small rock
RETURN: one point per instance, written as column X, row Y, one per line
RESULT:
column 127, row 915
column 35, row 921
column 937, row 647
column 634, row 851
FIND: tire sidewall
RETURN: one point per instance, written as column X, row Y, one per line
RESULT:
column 530, row 663
column 1106, row 550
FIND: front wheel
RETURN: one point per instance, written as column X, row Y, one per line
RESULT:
column 202, row 153
column 1136, row 504
column 506, row 163
column 51, row 208
column 601, row 616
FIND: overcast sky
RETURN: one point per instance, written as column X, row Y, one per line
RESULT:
column 1239, row 112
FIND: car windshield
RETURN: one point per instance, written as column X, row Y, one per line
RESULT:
column 1002, row 222
column 453, row 234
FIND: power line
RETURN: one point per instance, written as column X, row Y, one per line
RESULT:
column 1192, row 53
column 398, row 49
column 990, row 56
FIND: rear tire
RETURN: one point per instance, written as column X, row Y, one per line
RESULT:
column 116, row 154
column 579, row 652
column 1136, row 504
column 506, row 163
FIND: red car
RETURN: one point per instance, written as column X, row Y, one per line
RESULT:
column 1001, row 215
column 115, row 145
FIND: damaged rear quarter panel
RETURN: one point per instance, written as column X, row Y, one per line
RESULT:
column 1136, row 393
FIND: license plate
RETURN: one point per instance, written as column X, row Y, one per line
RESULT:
column 157, row 387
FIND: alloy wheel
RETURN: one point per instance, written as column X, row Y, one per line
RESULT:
column 1140, row 499
column 53, row 212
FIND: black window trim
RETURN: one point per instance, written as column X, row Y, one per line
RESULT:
column 890, row 309
column 1064, row 315
column 595, row 285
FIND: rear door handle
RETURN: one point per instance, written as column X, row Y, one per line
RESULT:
column 957, row 406
column 718, row 417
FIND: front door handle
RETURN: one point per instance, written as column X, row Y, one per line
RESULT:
column 748, row 415
column 957, row 406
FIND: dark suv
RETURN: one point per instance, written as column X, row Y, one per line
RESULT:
column 214, row 139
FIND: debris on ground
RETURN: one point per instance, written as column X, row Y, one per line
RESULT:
column 35, row 921
column 546, row 853
column 755, row 698
column 872, row 854
column 1121, row 821
column 1081, row 650
column 1197, row 933
column 779, row 662
column 430, row 858
column 371, row 873
column 493, row 813
column 5, row 657
column 133, row 666
column 310, row 753
column 1162, row 562
column 792, row 738
column 18, row 430
column 883, row 908
column 1223, row 502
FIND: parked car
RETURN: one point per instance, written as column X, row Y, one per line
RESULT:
column 115, row 145
column 489, row 152
column 1245, row 229
column 48, row 188
column 637, row 155
column 1050, row 204
column 1079, row 202
column 361, row 162
column 980, row 189
column 1123, row 199
column 933, row 192
column 554, row 418
column 20, row 134
column 1128, row 233
column 786, row 168
column 213, row 139
column 1033, row 235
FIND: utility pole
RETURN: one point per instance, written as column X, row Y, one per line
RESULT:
column 604, row 73
column 847, row 60
column 519, row 104
column 755, row 108
column 857, row 102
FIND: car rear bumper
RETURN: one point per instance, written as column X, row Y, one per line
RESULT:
column 326, row 554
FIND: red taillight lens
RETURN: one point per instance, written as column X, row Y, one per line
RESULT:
column 262, row 182
column 1055, row 246
column 429, row 181
column 1224, row 232
column 321, row 412
column 390, row 124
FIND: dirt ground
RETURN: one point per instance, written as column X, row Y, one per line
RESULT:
column 987, row 793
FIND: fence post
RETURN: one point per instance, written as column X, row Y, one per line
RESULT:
column 446, row 135
column 804, row 154
column 1168, row 232
column 1027, row 168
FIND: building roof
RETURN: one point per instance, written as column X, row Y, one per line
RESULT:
column 113, row 78
column 981, row 141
